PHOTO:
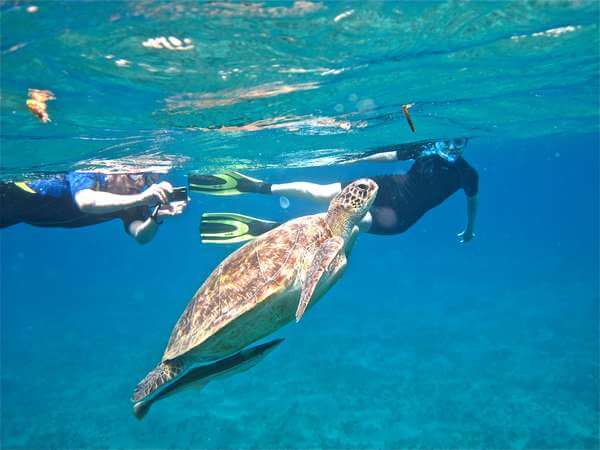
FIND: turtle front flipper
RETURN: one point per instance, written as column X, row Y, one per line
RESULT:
column 321, row 261
column 147, row 388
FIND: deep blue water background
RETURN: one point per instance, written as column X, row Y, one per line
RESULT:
column 425, row 343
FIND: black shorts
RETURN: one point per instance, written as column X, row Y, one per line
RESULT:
column 404, row 198
column 15, row 204
column 18, row 205
column 390, row 212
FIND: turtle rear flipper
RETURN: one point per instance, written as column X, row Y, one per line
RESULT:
column 156, row 378
column 140, row 409
column 199, row 376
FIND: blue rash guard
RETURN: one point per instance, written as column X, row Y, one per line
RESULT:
column 50, row 202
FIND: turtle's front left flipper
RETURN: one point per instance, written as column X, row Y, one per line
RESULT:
column 321, row 261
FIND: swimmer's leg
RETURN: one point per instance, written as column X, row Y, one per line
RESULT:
column 310, row 191
column 15, row 203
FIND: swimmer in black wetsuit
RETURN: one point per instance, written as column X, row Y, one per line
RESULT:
column 78, row 199
column 438, row 172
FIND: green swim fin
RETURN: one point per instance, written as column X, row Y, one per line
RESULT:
column 231, row 228
column 227, row 183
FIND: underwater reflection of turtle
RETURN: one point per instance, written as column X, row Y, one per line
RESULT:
column 255, row 291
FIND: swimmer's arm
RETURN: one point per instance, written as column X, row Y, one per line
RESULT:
column 378, row 157
column 471, row 213
column 311, row 191
column 143, row 231
column 469, row 232
column 98, row 202
column 406, row 152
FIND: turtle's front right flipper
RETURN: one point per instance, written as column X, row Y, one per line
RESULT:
column 323, row 258
column 232, row 228
column 197, row 377
column 227, row 183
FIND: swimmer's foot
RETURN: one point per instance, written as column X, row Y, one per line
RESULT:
column 231, row 228
column 227, row 183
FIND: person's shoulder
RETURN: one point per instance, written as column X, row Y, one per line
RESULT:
column 79, row 180
column 461, row 162
column 431, row 160
column 80, row 174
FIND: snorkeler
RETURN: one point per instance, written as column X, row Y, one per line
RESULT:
column 438, row 171
column 78, row 199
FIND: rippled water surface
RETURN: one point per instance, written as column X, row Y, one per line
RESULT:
column 319, row 80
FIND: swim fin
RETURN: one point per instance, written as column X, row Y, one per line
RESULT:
column 231, row 228
column 227, row 183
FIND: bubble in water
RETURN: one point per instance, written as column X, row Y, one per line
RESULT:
column 365, row 105
column 353, row 97
column 339, row 108
column 284, row 202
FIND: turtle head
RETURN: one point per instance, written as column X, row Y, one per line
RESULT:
column 349, row 206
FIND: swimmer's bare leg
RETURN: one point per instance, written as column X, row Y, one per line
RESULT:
column 317, row 192
column 310, row 191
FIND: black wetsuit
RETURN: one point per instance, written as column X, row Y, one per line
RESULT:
column 403, row 199
column 50, row 202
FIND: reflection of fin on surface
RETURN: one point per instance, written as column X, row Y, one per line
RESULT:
column 230, row 228
column 199, row 376
column 227, row 183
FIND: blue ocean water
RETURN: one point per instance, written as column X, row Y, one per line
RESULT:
column 424, row 343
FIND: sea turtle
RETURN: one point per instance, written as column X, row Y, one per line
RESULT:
column 259, row 288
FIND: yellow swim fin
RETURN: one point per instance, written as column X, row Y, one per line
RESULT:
column 227, row 183
column 232, row 228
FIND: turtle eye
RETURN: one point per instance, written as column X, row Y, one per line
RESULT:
column 363, row 186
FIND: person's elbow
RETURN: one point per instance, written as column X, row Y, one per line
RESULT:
column 142, row 240
column 86, row 200
column 139, row 234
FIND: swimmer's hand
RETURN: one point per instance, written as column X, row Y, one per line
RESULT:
column 172, row 209
column 157, row 193
column 465, row 236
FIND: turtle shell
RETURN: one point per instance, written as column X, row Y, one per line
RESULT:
column 252, row 293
